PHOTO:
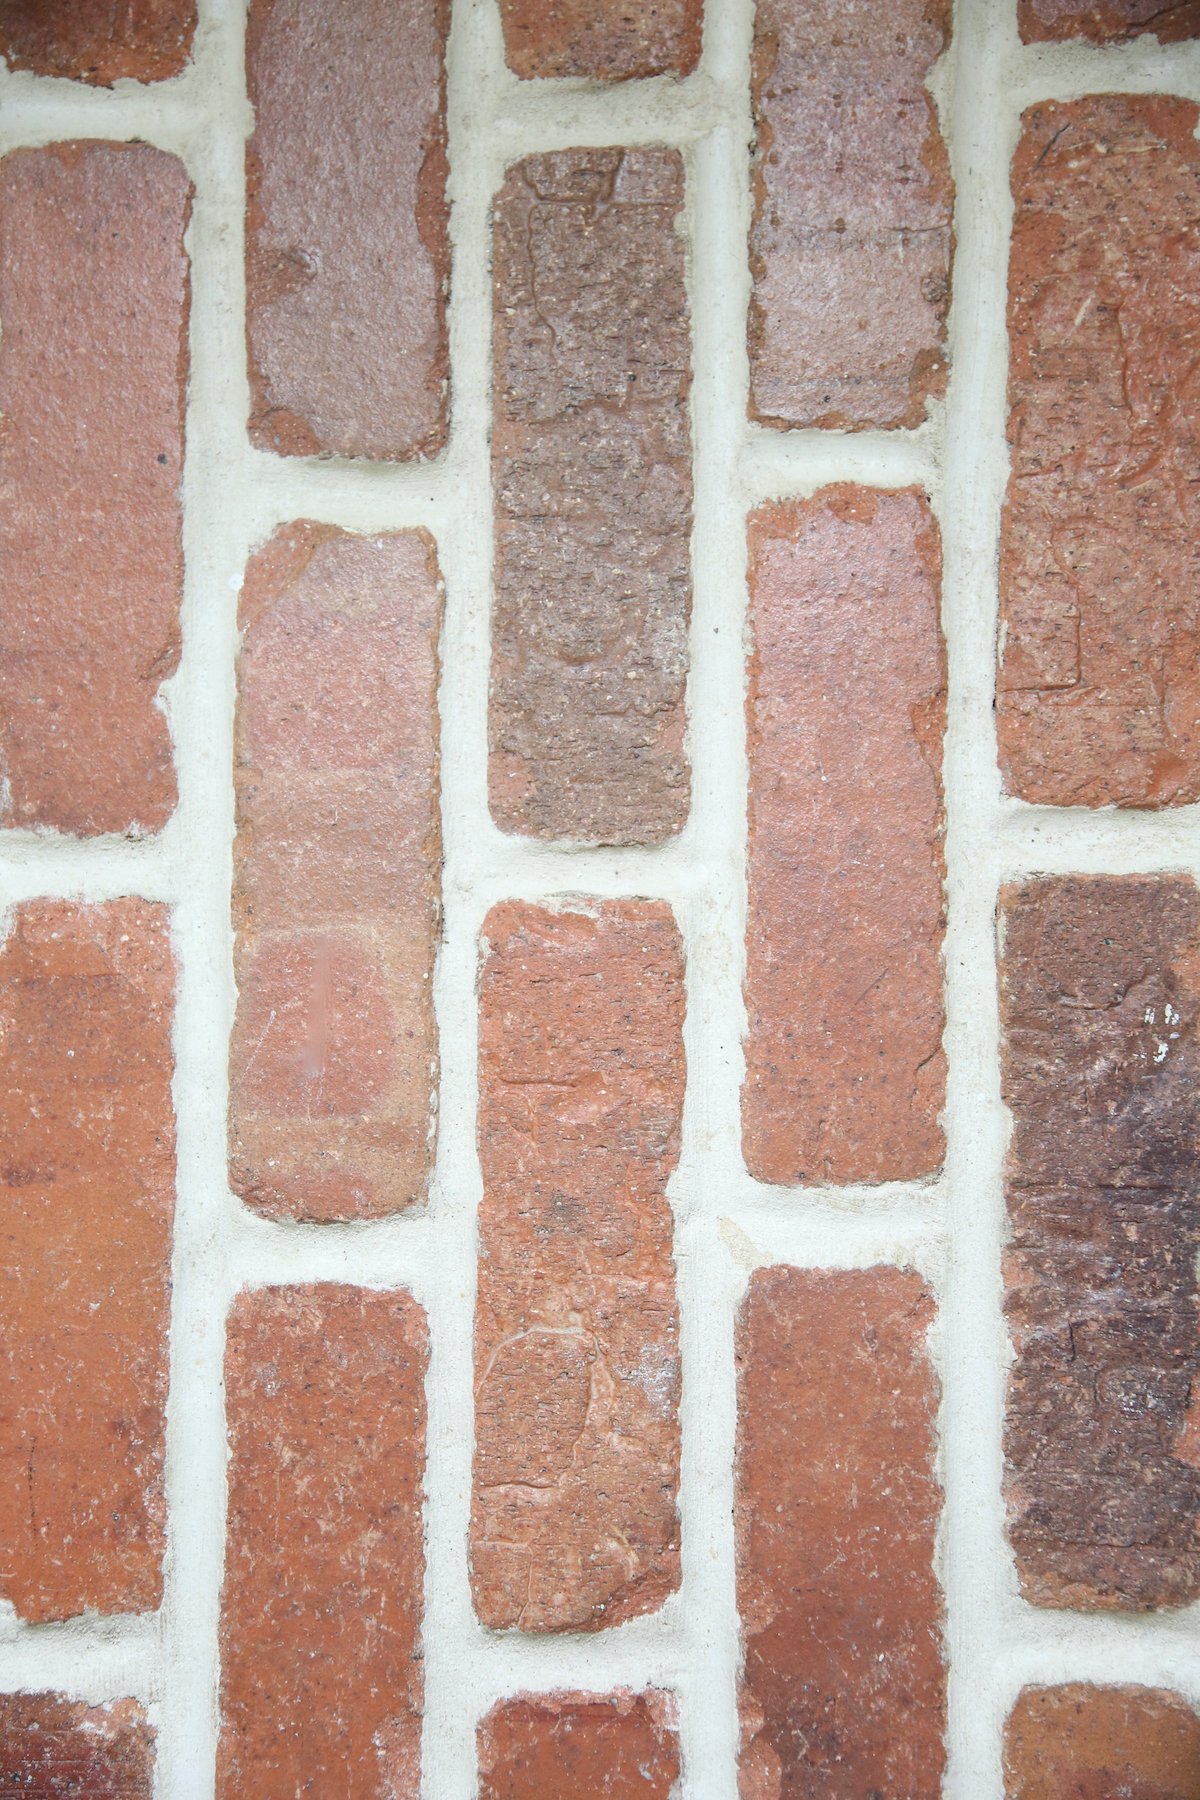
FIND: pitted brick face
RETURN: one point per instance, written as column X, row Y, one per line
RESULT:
column 608, row 40
column 1097, row 1743
column 52, row 1748
column 618, row 1746
column 1108, row 21
column 98, row 41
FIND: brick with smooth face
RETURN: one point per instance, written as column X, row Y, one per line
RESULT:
column 1108, row 21
column 1099, row 677
column 52, row 1748
column 336, row 884
column 581, row 1076
column 1079, row 1742
column 347, row 248
column 87, row 1126
column 852, row 237
column 321, row 1674
column 97, row 41
column 845, row 1075
column 93, row 366
column 608, row 40
column 591, row 467
column 620, row 1746
column 1100, row 999
column 843, row 1686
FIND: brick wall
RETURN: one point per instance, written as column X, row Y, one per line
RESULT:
column 600, row 997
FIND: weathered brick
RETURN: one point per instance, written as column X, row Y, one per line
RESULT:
column 609, row 40
column 1100, row 996
column 1108, row 21
column 336, row 874
column 842, row 1690
column 618, row 1746
column 347, row 253
column 1099, row 689
column 93, row 364
column 87, row 1126
column 321, row 1683
column 581, row 1081
column 52, row 1748
column 846, row 711
column 591, row 466
column 96, row 40
column 1100, row 1743
column 851, row 242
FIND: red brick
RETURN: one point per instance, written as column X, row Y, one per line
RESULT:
column 1108, row 21
column 851, row 242
column 608, row 40
column 347, row 256
column 1099, row 699
column 86, row 1122
column 96, row 40
column 1099, row 1743
column 336, row 874
column 1100, row 1001
column 52, row 1748
column 618, row 1746
column 321, row 1682
column 591, row 463
column 846, row 711
column 93, row 365
column 581, row 1080
column 842, row 1690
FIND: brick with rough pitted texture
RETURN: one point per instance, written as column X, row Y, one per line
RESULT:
column 620, row 1746
column 98, row 41
column 52, row 1748
column 1101, row 1743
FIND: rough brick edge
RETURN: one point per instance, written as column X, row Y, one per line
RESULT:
column 142, row 63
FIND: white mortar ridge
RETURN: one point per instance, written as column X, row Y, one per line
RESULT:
column 950, row 1228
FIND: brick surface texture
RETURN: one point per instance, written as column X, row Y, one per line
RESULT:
column 842, row 1689
column 845, row 717
column 608, row 1746
column 52, row 1748
column 321, row 1674
column 851, row 242
column 1109, row 21
column 609, row 40
column 348, row 258
column 576, row 1336
column 1101, row 1003
column 591, row 463
column 1078, row 1742
column 86, row 1121
column 1099, row 689
column 98, row 41
column 93, row 361
column 335, row 887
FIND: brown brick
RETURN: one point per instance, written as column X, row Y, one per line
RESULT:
column 1108, row 21
column 52, row 1748
column 842, row 1689
column 846, row 711
column 1100, row 1743
column 581, row 1081
column 851, row 242
column 87, row 1127
column 591, row 464
column 96, row 40
column 1100, row 997
column 321, row 1684
column 93, row 364
column 1099, row 699
column 609, row 40
column 336, row 874
column 618, row 1746
column 347, row 255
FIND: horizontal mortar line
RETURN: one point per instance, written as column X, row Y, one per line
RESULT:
column 536, row 116
column 357, row 494
column 34, row 865
column 1042, row 72
column 826, row 1240
column 99, row 1656
column 524, row 869
column 1066, row 840
column 644, row 1651
column 782, row 464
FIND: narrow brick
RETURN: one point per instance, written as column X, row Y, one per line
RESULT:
column 842, row 1689
column 321, row 1683
column 93, row 365
column 581, row 1079
column 1100, row 997
column 97, row 41
column 336, row 882
column 852, row 236
column 52, row 1748
column 845, row 1075
column 1099, row 696
column 1108, row 21
column 347, row 253
column 87, row 1127
column 608, row 40
column 618, row 1746
column 1078, row 1742
column 591, row 464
